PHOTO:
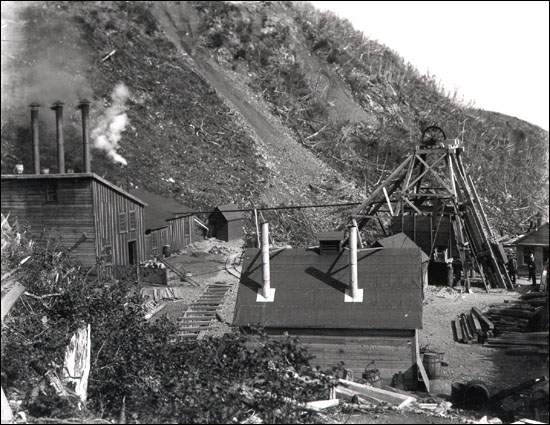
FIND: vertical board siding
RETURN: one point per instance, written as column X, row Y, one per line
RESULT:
column 108, row 204
column 177, row 235
column 68, row 218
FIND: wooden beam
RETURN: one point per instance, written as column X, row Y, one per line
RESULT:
column 411, row 184
column 436, row 175
column 387, row 199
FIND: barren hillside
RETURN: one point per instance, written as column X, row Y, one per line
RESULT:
column 252, row 103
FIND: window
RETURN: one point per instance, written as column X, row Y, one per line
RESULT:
column 51, row 191
column 132, row 220
column 122, row 222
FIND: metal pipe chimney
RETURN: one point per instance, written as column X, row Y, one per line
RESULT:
column 35, row 143
column 58, row 108
column 353, row 261
column 266, row 288
column 84, row 107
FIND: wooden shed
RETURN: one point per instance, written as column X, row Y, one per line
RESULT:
column 225, row 223
column 536, row 242
column 90, row 215
column 168, row 223
column 309, row 301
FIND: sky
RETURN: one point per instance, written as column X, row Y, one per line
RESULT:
column 494, row 54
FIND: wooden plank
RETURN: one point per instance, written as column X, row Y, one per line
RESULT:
column 396, row 399
column 484, row 320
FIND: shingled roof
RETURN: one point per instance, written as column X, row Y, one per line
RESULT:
column 229, row 215
column 400, row 240
column 538, row 237
column 159, row 209
column 310, row 287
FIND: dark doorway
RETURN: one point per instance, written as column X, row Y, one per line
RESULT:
column 132, row 252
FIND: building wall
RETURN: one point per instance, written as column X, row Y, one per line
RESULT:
column 391, row 351
column 540, row 253
column 111, row 210
column 69, row 216
column 426, row 231
column 218, row 226
column 234, row 230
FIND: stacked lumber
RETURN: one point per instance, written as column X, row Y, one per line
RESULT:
column 472, row 327
column 521, row 343
column 505, row 325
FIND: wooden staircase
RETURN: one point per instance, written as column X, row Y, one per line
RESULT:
column 200, row 313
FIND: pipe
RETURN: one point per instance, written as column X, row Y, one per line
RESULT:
column 35, row 142
column 353, row 261
column 84, row 107
column 58, row 108
column 266, row 288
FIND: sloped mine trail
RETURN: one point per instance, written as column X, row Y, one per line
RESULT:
column 291, row 165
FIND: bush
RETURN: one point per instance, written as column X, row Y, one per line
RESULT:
column 137, row 363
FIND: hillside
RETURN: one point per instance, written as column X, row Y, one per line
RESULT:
column 252, row 103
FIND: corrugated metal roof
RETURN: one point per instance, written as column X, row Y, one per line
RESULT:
column 309, row 290
column 539, row 237
column 159, row 209
column 230, row 215
column 400, row 240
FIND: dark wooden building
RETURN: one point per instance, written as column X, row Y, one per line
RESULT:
column 427, row 232
column 226, row 224
column 535, row 242
column 91, row 216
column 168, row 224
column 309, row 302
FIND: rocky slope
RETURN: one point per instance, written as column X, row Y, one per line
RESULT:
column 254, row 103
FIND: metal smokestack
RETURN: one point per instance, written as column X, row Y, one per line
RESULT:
column 58, row 108
column 35, row 143
column 84, row 107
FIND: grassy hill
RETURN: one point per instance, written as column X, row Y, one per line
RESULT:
column 251, row 103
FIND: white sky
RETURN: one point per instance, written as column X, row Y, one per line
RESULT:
column 493, row 53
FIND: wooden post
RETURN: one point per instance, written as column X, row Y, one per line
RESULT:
column 259, row 244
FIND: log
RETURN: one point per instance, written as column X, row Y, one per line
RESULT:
column 6, row 413
column 76, row 367
column 11, row 296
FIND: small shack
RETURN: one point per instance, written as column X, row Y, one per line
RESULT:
column 535, row 242
column 225, row 223
column 91, row 216
column 169, row 225
column 309, row 299
column 401, row 240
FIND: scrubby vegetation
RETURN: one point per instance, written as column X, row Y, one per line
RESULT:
column 352, row 102
column 139, row 367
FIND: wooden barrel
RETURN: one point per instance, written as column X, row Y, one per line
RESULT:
column 432, row 363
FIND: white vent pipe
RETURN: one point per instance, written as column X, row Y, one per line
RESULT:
column 353, row 261
column 266, row 288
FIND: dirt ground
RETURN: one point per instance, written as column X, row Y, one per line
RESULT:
column 212, row 261
column 472, row 361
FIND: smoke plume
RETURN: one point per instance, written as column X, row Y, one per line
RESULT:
column 107, row 133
